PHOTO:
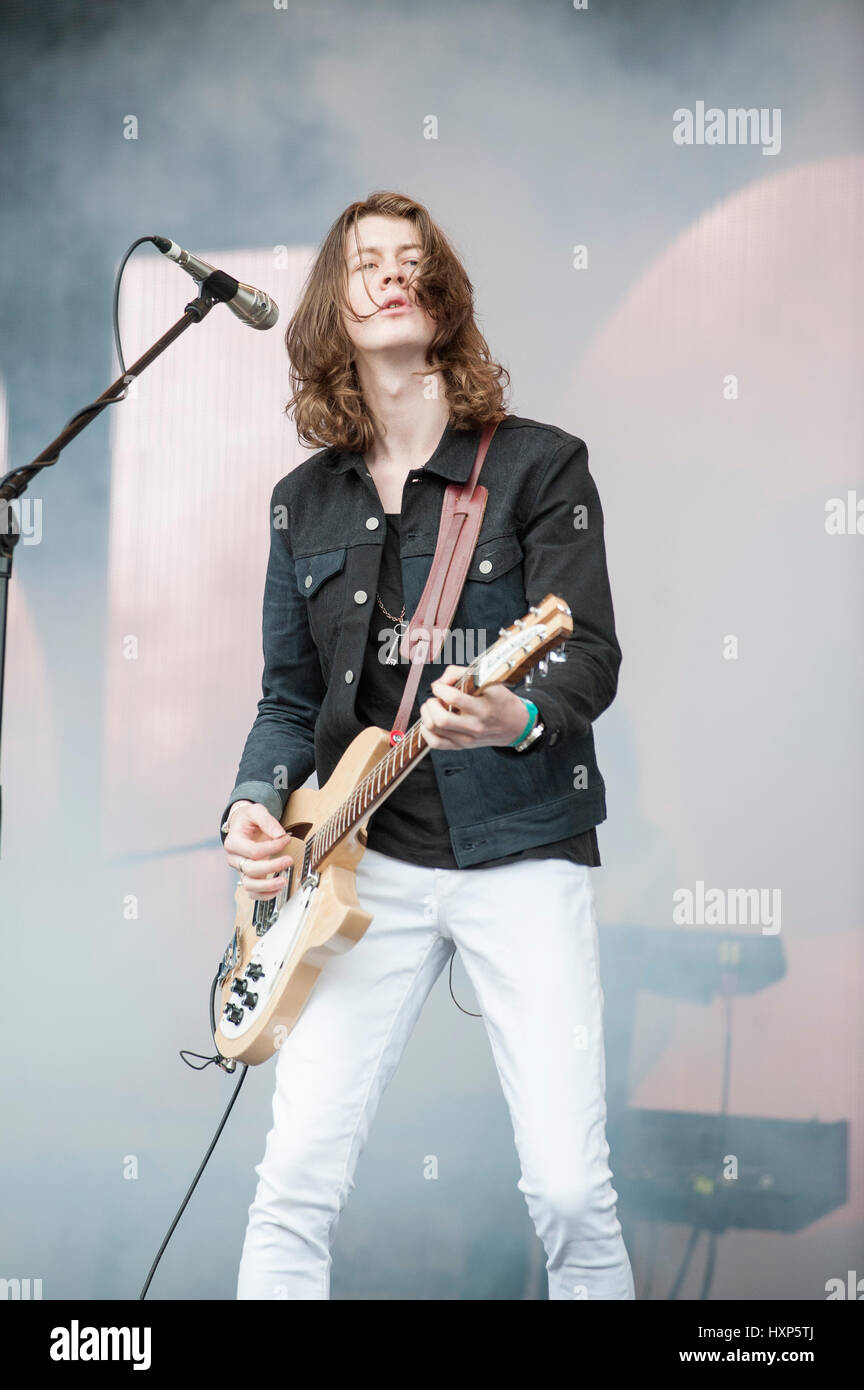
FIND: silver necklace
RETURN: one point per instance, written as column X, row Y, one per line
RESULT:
column 399, row 627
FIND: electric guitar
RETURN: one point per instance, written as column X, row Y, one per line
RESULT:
column 280, row 946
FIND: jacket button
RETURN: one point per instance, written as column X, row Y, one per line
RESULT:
column 308, row 581
column 360, row 596
column 349, row 676
column 485, row 566
column 372, row 523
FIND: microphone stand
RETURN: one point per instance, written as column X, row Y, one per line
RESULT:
column 18, row 479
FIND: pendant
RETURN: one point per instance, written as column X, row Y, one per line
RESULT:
column 392, row 656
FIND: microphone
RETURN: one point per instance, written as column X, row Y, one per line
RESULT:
column 252, row 307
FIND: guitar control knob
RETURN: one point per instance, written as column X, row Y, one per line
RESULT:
column 254, row 972
column 238, row 987
column 233, row 1013
column 250, row 999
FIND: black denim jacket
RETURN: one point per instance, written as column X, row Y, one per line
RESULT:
column 542, row 533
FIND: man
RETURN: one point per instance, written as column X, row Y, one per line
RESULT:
column 487, row 846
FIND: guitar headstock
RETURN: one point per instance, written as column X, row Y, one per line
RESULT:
column 521, row 646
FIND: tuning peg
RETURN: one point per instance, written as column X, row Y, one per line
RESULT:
column 543, row 665
column 529, row 678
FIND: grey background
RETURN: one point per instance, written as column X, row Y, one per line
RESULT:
column 257, row 126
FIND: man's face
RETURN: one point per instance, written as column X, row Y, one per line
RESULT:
column 389, row 254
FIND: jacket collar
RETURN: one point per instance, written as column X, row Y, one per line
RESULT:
column 453, row 459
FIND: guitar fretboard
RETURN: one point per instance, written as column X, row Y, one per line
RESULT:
column 374, row 788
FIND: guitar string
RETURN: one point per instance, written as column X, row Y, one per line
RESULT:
column 336, row 826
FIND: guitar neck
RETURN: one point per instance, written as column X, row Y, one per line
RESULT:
column 518, row 648
column 375, row 787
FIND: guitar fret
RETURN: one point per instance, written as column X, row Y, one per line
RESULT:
column 364, row 795
column 399, row 757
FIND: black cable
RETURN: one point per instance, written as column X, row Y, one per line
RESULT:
column 685, row 1263
column 453, row 996
column 27, row 470
column 710, row 1258
column 184, row 1054
column 116, row 299
column 651, row 1261
column 206, row 1062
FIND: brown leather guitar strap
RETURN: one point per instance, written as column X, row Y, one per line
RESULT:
column 461, row 515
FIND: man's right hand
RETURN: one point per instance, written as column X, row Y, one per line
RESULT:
column 255, row 846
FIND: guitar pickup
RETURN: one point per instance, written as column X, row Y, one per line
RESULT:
column 265, row 913
column 262, row 917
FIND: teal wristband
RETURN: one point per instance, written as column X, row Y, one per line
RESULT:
column 533, row 715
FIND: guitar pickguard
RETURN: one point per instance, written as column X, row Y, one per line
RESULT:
column 269, row 955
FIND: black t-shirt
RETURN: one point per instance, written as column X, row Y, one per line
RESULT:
column 411, row 824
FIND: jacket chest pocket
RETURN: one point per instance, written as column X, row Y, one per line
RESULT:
column 313, row 571
column 494, row 592
column 494, row 558
column 321, row 580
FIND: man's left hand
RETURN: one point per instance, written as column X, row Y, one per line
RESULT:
column 491, row 719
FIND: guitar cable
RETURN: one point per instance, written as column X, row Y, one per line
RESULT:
column 453, row 996
column 205, row 1062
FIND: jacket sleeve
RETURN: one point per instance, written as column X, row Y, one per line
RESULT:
column 279, row 753
column 564, row 554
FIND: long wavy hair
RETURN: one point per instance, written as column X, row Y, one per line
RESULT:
column 327, row 403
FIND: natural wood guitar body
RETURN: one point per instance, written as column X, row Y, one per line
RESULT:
column 335, row 921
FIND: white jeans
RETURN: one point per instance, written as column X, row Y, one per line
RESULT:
column 526, row 933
